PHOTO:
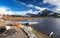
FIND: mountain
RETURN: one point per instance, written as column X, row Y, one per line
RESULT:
column 45, row 12
column 54, row 14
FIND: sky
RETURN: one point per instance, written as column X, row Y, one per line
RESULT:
column 21, row 7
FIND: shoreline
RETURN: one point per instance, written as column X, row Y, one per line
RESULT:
column 37, row 33
column 24, row 18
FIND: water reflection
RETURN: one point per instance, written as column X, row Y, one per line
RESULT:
column 46, row 25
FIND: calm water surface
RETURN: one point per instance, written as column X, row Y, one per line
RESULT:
column 47, row 25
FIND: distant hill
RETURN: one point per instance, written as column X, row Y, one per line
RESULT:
column 30, row 14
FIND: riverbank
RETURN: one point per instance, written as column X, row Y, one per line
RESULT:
column 30, row 30
column 7, row 17
column 30, row 18
column 20, row 34
column 21, row 18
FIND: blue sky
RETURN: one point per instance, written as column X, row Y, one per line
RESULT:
column 25, row 5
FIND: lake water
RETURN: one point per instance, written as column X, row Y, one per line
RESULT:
column 46, row 25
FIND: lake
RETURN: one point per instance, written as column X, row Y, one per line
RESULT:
column 46, row 25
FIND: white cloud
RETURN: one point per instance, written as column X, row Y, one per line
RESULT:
column 30, row 5
column 44, row 1
column 36, row 7
column 4, row 10
column 22, row 3
column 28, row 11
column 54, row 2
column 58, row 9
column 39, row 8
column 18, row 2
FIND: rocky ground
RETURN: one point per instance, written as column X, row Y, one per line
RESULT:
column 15, row 32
